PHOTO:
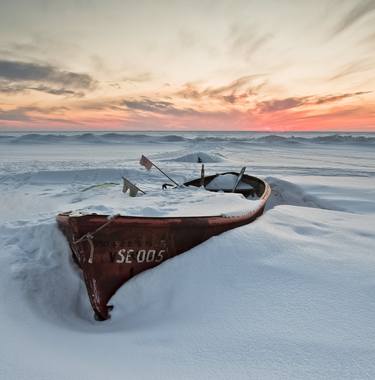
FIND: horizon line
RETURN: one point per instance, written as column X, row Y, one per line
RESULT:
column 184, row 131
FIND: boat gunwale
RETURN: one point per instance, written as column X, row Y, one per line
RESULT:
column 175, row 219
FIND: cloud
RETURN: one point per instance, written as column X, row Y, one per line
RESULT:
column 16, row 88
column 353, row 111
column 156, row 106
column 235, row 92
column 57, row 91
column 137, row 78
column 17, row 114
column 234, row 99
column 30, row 112
column 280, row 104
column 11, row 88
column 275, row 105
column 190, row 91
column 355, row 14
column 353, row 68
column 17, row 77
column 246, row 41
column 148, row 105
column 335, row 98
column 16, row 71
column 231, row 87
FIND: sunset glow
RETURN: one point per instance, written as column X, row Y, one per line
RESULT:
column 204, row 65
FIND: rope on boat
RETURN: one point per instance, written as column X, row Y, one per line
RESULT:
column 89, row 236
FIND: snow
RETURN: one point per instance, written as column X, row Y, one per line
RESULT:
column 198, row 157
column 227, row 182
column 176, row 202
column 287, row 296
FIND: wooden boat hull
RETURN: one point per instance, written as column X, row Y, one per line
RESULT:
column 126, row 245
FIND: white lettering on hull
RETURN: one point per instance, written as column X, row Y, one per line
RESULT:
column 130, row 256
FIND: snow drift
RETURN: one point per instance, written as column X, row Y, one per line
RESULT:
column 288, row 296
column 248, row 300
column 198, row 157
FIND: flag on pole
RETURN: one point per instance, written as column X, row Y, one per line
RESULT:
column 133, row 189
column 144, row 161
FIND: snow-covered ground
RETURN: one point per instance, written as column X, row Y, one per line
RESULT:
column 288, row 296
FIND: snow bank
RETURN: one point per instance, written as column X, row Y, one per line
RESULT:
column 40, row 260
column 287, row 193
column 262, row 301
column 198, row 157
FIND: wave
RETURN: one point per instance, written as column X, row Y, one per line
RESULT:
column 123, row 138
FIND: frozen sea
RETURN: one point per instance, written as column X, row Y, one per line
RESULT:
column 290, row 296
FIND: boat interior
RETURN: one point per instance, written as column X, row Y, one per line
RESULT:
column 248, row 186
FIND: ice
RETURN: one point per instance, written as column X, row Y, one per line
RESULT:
column 290, row 295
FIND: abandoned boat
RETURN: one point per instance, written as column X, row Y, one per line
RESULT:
column 112, row 249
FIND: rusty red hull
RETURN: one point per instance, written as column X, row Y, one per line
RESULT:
column 127, row 246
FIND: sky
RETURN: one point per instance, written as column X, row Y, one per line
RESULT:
column 229, row 65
